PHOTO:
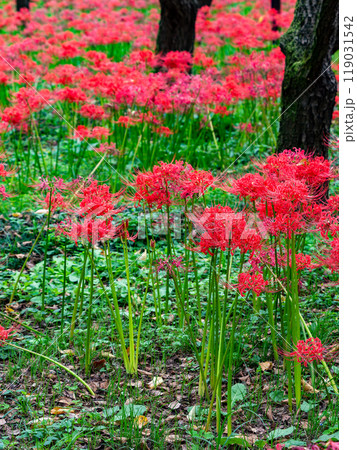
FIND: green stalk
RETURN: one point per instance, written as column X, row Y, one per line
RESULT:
column 64, row 287
column 330, row 377
column 75, row 307
column 89, row 318
column 295, row 319
column 230, row 372
column 141, row 318
column 116, row 308
column 332, row 381
column 132, row 368
column 223, row 324
column 45, row 256
column 269, row 299
column 21, row 323
column 24, row 264
column 56, row 363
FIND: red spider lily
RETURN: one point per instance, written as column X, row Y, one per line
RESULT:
column 169, row 264
column 330, row 257
column 122, row 232
column 307, row 351
column 56, row 200
column 3, row 192
column 94, row 112
column 251, row 185
column 168, row 182
column 222, row 227
column 251, row 282
column 107, row 148
column 89, row 230
column 97, row 200
column 5, row 334
column 5, row 173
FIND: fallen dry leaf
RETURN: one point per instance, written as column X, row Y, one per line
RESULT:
column 67, row 352
column 59, row 410
column 267, row 365
column 269, row 414
column 307, row 387
column 171, row 438
column 98, row 364
column 174, row 405
column 107, row 355
column 42, row 421
column 155, row 382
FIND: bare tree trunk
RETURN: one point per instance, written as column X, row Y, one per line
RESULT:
column 275, row 4
column 309, row 85
column 177, row 25
column 22, row 4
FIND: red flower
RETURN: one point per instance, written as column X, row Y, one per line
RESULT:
column 4, row 334
column 89, row 230
column 168, row 264
column 251, row 282
column 168, row 182
column 222, row 227
column 307, row 351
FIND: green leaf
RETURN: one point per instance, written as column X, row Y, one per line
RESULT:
column 239, row 391
column 280, row 432
column 260, row 444
column 277, row 396
column 327, row 437
column 306, row 406
column 230, row 440
column 111, row 411
column 294, row 443
column 130, row 411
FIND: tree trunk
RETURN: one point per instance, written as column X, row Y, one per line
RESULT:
column 177, row 25
column 309, row 85
column 22, row 4
column 275, row 4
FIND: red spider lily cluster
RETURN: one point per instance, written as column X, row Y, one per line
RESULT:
column 169, row 264
column 5, row 334
column 308, row 351
column 3, row 174
column 101, row 85
column 93, row 217
column 251, row 282
column 168, row 182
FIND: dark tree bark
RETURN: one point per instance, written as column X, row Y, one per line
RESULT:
column 177, row 25
column 275, row 4
column 309, row 85
column 22, row 4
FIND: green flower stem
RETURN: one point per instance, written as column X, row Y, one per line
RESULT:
column 295, row 320
column 24, row 264
column 141, row 317
column 332, row 381
column 223, row 324
column 198, row 359
column 21, row 323
column 230, row 371
column 269, row 299
column 132, row 368
column 56, row 363
column 89, row 318
column 330, row 377
column 75, row 307
column 116, row 309
column 45, row 256
column 64, row 287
